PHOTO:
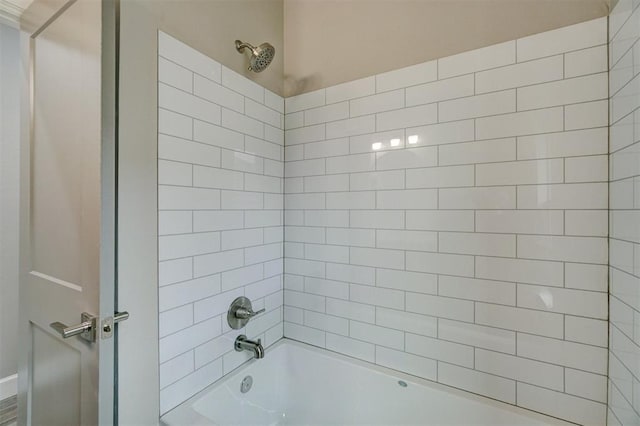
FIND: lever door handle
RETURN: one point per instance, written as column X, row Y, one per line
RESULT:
column 66, row 331
column 120, row 316
column 86, row 329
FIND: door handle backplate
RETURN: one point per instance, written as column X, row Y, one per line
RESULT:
column 109, row 322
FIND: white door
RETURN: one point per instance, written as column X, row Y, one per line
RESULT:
column 67, row 213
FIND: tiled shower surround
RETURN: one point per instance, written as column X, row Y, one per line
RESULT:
column 449, row 220
column 624, row 244
column 220, row 147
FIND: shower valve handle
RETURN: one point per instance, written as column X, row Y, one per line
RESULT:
column 244, row 313
column 240, row 312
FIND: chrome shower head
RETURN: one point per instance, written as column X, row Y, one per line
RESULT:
column 261, row 56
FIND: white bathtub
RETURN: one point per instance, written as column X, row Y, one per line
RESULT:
column 298, row 384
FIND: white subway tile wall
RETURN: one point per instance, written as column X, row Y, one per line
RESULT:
column 449, row 220
column 624, row 220
column 220, row 184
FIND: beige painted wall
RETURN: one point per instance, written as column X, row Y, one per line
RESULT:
column 210, row 26
column 332, row 41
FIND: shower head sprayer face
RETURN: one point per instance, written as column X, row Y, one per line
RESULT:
column 261, row 56
column 261, row 60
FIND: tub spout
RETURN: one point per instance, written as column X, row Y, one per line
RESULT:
column 244, row 344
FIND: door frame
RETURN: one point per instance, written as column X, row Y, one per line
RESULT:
column 108, row 400
column 138, row 361
column 34, row 19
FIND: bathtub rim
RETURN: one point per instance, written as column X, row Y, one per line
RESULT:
column 197, row 419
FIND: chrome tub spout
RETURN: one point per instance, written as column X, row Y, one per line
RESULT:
column 244, row 344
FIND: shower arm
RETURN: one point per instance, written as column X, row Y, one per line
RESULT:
column 240, row 46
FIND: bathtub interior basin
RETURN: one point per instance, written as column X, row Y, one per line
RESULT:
column 298, row 384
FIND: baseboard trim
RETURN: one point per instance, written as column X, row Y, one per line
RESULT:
column 8, row 386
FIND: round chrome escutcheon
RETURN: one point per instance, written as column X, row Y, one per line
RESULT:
column 246, row 384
